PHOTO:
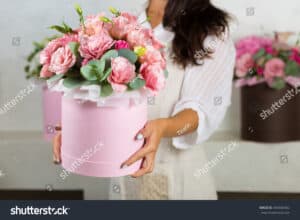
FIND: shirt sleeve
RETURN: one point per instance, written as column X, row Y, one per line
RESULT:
column 207, row 90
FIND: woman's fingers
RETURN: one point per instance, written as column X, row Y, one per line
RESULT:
column 143, row 133
column 138, row 155
column 148, row 166
column 56, row 148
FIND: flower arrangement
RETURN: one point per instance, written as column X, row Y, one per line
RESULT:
column 114, row 54
column 269, row 60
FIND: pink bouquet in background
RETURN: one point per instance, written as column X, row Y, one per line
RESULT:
column 116, row 54
column 264, row 59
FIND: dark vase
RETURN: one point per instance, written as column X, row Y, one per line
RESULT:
column 265, row 121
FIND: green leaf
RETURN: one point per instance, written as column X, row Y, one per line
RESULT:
column 110, row 54
column 278, row 84
column 74, row 48
column 72, row 83
column 67, row 28
column 88, row 72
column 106, row 74
column 292, row 68
column 137, row 83
column 166, row 72
column 106, row 90
column 55, row 78
column 98, row 66
column 259, row 54
column 61, row 29
column 128, row 54
column 105, row 19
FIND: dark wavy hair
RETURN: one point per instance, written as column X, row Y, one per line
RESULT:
column 192, row 21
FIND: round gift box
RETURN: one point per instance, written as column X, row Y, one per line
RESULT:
column 51, row 112
column 97, row 140
column 263, row 123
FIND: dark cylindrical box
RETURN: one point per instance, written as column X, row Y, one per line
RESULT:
column 270, row 115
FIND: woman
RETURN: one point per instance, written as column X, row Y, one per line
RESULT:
column 200, row 64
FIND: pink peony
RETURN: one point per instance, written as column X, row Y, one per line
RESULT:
column 274, row 68
column 154, row 76
column 122, row 25
column 153, row 55
column 50, row 50
column 121, row 44
column 62, row 60
column 143, row 37
column 243, row 64
column 252, row 45
column 93, row 47
column 122, row 73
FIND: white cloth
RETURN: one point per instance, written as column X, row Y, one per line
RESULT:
column 205, row 89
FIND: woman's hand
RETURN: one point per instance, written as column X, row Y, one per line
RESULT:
column 152, row 132
column 57, row 146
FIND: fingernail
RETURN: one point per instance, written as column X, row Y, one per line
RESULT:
column 56, row 161
column 124, row 166
column 140, row 136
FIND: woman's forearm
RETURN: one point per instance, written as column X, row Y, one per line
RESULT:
column 182, row 123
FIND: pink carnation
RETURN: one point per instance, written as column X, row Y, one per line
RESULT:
column 154, row 76
column 143, row 37
column 295, row 55
column 51, row 49
column 274, row 68
column 122, row 73
column 122, row 25
column 252, row 45
column 243, row 64
column 93, row 25
column 121, row 44
column 62, row 60
column 153, row 55
column 93, row 47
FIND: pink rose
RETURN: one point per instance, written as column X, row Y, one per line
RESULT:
column 62, row 60
column 154, row 76
column 122, row 25
column 50, row 49
column 122, row 73
column 143, row 37
column 153, row 55
column 93, row 47
column 274, row 68
column 243, row 65
column 121, row 44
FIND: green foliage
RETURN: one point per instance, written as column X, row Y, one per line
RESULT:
column 137, row 83
column 278, row 84
column 292, row 68
column 259, row 54
column 129, row 55
column 106, row 90
column 64, row 28
column 72, row 83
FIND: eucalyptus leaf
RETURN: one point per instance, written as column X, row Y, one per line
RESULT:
column 166, row 73
column 292, row 68
column 106, row 90
column 106, row 74
column 88, row 72
column 55, row 78
column 72, row 83
column 74, row 48
column 128, row 54
column 278, row 84
column 137, row 83
column 110, row 54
